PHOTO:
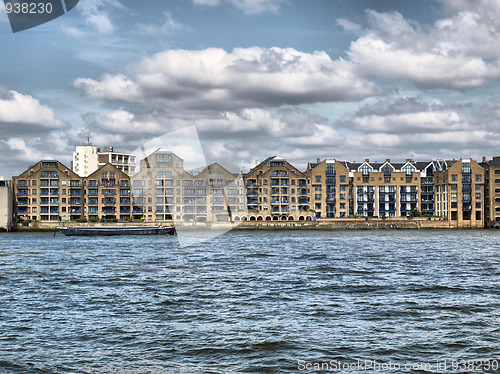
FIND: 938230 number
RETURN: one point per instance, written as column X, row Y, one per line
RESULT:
column 28, row 8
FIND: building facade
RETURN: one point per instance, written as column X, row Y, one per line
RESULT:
column 48, row 191
column 85, row 160
column 330, row 189
column 492, row 191
column 125, row 162
column 6, row 204
column 276, row 190
column 107, row 194
column 164, row 190
column 459, row 193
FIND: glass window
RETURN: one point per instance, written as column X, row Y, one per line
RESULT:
column 479, row 177
column 317, row 178
column 454, row 177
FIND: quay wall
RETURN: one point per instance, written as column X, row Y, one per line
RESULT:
column 321, row 224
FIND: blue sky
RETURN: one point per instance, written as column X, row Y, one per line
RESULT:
column 303, row 79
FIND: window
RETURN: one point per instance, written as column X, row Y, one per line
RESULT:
column 317, row 178
column 342, row 196
column 365, row 169
column 454, row 205
column 453, row 187
column 478, row 187
column 465, row 167
column 317, row 188
column 343, row 187
column 33, row 192
column 342, row 178
column 479, row 177
column 453, row 195
column 478, row 205
column 317, row 196
column 454, row 177
column 478, row 196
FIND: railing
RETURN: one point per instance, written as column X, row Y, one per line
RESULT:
column 93, row 202
column 251, row 184
column 22, row 184
column 22, row 193
column 22, row 202
column 109, row 202
column 75, row 193
column 93, row 193
column 75, row 184
column 252, row 193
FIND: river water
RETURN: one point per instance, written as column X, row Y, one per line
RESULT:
column 251, row 302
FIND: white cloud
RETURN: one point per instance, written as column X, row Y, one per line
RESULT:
column 246, row 77
column 247, row 6
column 169, row 26
column 97, row 18
column 17, row 109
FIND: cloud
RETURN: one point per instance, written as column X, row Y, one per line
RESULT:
column 97, row 16
column 397, row 49
column 21, row 114
column 247, row 6
column 168, row 27
column 246, row 77
column 405, row 115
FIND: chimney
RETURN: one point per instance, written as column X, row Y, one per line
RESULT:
column 484, row 159
column 318, row 160
column 408, row 160
column 367, row 160
column 387, row 160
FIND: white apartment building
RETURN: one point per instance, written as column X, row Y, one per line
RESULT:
column 124, row 162
column 85, row 160
column 6, row 203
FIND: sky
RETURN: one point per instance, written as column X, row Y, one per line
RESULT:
column 302, row 79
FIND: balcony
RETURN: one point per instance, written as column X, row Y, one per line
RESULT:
column 252, row 202
column 22, row 202
column 252, row 193
column 109, row 202
column 281, row 174
column 304, row 201
column 22, row 184
column 252, row 184
column 138, row 210
column 22, row 210
column 76, row 202
column 93, row 202
column 124, row 210
column 467, row 189
column 22, row 193
column 75, row 211
column 331, row 200
column 44, row 210
column 75, row 193
column 124, row 184
column 75, row 184
column 54, row 202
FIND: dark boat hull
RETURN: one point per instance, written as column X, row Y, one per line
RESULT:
column 112, row 231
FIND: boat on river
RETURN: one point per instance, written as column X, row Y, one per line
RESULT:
column 116, row 230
